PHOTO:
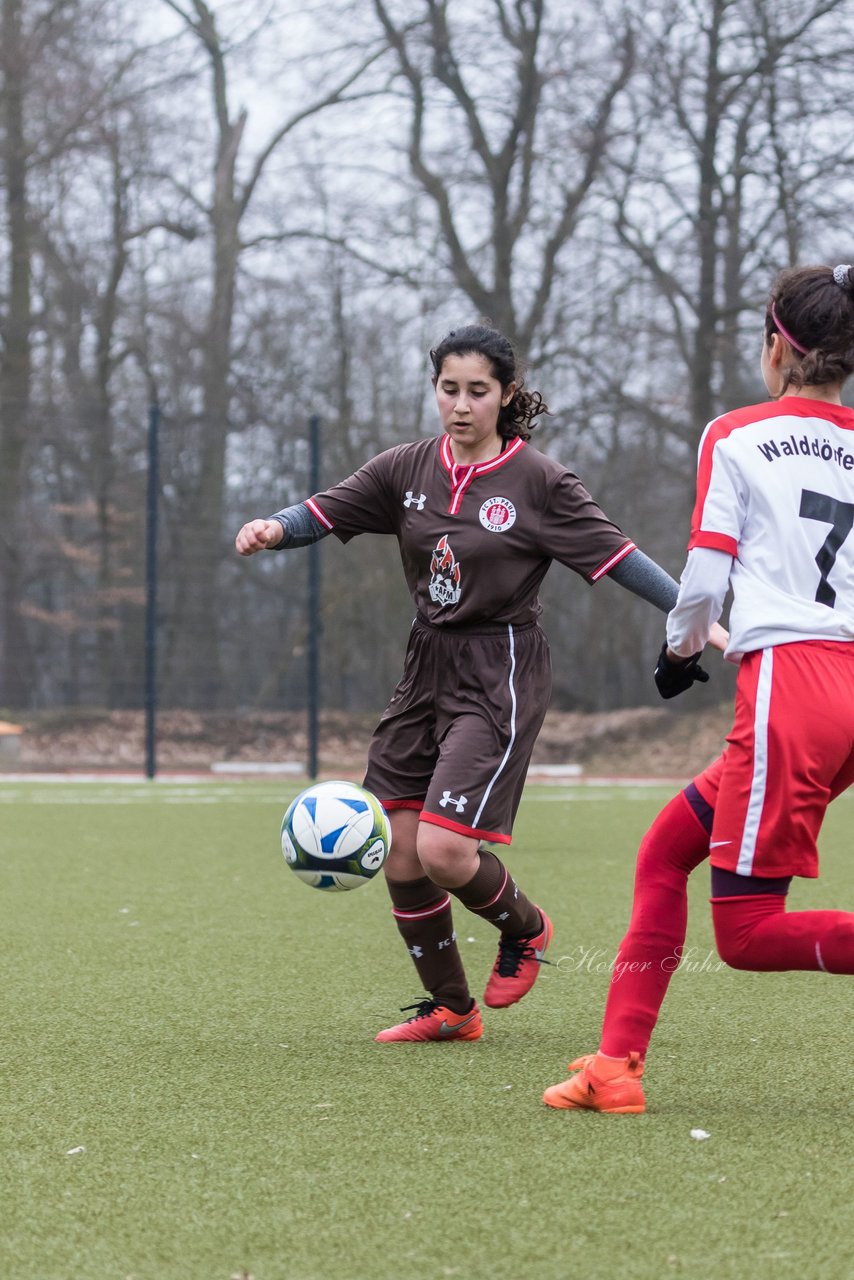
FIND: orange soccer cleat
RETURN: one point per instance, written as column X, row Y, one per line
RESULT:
column 434, row 1021
column 601, row 1084
column 517, row 966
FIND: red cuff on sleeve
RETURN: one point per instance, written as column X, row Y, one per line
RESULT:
column 318, row 514
column 612, row 561
column 715, row 542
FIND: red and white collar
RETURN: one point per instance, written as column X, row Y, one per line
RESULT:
column 462, row 476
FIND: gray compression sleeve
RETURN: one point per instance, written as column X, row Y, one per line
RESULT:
column 300, row 526
column 637, row 573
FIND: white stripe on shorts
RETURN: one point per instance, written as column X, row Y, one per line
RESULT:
column 476, row 819
column 759, row 782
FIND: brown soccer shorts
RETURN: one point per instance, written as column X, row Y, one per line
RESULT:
column 456, row 739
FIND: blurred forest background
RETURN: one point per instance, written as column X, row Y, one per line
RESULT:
column 251, row 211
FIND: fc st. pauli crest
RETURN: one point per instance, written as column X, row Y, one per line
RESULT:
column 497, row 515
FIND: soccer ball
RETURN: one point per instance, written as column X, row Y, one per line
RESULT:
column 335, row 836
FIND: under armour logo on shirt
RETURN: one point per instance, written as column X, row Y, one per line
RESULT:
column 459, row 803
column 411, row 501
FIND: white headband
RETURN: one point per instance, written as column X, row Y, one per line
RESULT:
column 840, row 274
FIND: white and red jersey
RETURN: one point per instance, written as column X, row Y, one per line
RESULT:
column 775, row 490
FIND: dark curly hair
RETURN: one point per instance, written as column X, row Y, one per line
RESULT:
column 817, row 312
column 517, row 417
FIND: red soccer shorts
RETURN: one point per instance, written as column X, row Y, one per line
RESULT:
column 791, row 751
column 708, row 782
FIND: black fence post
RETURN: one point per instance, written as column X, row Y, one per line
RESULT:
column 152, row 503
column 313, row 620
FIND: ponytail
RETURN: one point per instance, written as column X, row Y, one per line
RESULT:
column 812, row 308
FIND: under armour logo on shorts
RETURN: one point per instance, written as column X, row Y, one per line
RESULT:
column 458, row 803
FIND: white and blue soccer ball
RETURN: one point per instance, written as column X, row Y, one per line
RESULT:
column 335, row 835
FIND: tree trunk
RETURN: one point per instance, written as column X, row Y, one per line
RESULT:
column 225, row 218
column 102, row 452
column 15, row 366
column 703, row 364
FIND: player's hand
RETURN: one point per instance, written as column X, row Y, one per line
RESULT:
column 674, row 675
column 258, row 535
column 718, row 637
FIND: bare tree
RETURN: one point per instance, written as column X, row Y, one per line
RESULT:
column 733, row 151
column 480, row 135
column 612, row 183
column 224, row 211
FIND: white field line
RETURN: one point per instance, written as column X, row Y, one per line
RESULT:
column 87, row 789
column 93, row 791
column 116, row 789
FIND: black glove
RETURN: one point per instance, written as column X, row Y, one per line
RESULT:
column 675, row 676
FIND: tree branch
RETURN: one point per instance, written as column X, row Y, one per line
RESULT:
column 595, row 154
column 464, row 273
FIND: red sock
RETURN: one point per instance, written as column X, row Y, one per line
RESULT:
column 757, row 932
column 675, row 844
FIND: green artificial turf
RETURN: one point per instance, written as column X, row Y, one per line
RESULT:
column 191, row 1090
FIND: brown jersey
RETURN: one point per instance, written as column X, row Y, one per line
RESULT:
column 475, row 540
